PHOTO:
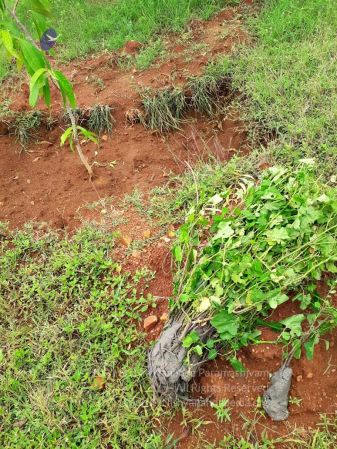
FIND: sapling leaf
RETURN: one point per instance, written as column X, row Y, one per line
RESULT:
column 191, row 339
column 212, row 354
column 309, row 346
column 33, row 58
column 66, row 89
column 237, row 365
column 294, row 324
column 65, row 136
column 88, row 134
column 178, row 253
column 35, row 85
column 46, row 93
column 7, row 41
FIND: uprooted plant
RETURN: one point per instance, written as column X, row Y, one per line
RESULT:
column 240, row 255
column 20, row 45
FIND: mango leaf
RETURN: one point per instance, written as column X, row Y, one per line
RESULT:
column 7, row 41
column 40, row 23
column 35, row 85
column 66, row 88
column 46, row 93
column 88, row 134
column 178, row 253
column 66, row 135
column 33, row 58
column 42, row 7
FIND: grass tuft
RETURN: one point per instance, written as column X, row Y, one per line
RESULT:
column 100, row 119
column 25, row 127
column 164, row 109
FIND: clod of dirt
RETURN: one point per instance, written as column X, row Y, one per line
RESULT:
column 276, row 397
column 150, row 322
column 167, row 367
column 132, row 48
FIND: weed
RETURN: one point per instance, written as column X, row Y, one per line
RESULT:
column 73, row 364
column 134, row 199
column 134, row 116
column 97, row 82
column 100, row 119
column 288, row 80
column 171, row 202
column 148, row 55
column 222, row 410
column 189, row 421
column 25, row 127
column 163, row 109
column 192, row 50
column 295, row 401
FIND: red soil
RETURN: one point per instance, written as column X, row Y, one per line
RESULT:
column 314, row 385
column 49, row 184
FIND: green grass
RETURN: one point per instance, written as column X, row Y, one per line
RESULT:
column 86, row 27
column 289, row 78
column 96, row 26
column 72, row 361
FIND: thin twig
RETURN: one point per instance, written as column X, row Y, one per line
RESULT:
column 15, row 6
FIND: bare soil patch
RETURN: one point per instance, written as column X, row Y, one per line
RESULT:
column 48, row 183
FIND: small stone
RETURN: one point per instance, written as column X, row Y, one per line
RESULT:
column 28, row 181
column 32, row 203
column 150, row 322
column 299, row 378
column 104, row 137
column 147, row 234
column 310, row 375
column 125, row 240
column 164, row 317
